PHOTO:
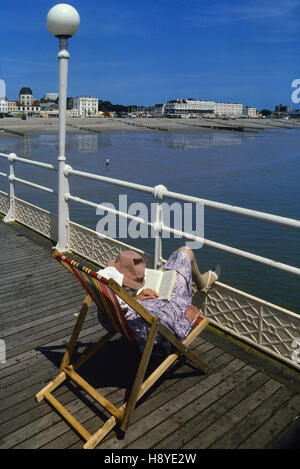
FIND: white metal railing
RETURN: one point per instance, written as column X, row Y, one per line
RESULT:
column 259, row 323
column 12, row 158
column 159, row 193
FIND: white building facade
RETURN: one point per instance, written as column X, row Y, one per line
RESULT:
column 25, row 96
column 26, row 103
column 187, row 107
column 73, row 113
column 250, row 112
column 228, row 109
column 194, row 108
column 12, row 106
column 3, row 106
column 86, row 106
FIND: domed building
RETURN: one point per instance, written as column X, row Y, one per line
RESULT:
column 25, row 96
column 51, row 96
column 26, row 103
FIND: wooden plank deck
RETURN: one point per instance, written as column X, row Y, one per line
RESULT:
column 247, row 401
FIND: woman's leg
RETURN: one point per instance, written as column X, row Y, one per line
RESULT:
column 202, row 280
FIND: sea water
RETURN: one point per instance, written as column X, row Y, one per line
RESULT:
column 259, row 171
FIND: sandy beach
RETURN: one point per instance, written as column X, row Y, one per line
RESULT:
column 34, row 125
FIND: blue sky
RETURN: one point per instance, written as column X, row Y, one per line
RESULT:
column 147, row 52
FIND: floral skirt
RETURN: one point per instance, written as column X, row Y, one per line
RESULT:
column 171, row 313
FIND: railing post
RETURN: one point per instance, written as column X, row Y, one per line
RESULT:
column 10, row 216
column 158, row 193
column 63, row 184
column 260, row 324
column 157, row 239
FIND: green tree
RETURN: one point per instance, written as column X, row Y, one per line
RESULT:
column 266, row 112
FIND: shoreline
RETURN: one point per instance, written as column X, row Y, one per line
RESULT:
column 32, row 126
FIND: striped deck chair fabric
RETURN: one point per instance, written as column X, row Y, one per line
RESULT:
column 105, row 299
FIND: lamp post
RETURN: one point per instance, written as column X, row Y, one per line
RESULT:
column 62, row 21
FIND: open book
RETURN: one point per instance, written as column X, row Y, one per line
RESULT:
column 160, row 281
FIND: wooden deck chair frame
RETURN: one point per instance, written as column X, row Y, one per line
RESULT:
column 119, row 416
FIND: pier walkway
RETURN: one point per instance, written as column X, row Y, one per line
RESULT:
column 247, row 401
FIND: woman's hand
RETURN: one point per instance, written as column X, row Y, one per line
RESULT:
column 192, row 313
column 147, row 294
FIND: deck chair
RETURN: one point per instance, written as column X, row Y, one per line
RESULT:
column 105, row 294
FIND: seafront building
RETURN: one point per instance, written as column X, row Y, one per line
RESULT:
column 12, row 106
column 26, row 103
column 25, row 96
column 49, row 109
column 157, row 110
column 282, row 109
column 250, row 112
column 51, row 96
column 195, row 108
column 86, row 106
column 3, row 106
column 187, row 108
column 30, row 110
column 228, row 109
column 72, row 113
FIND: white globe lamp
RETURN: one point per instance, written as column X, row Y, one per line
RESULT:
column 63, row 20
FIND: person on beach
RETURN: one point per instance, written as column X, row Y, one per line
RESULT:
column 178, row 314
column 107, row 161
